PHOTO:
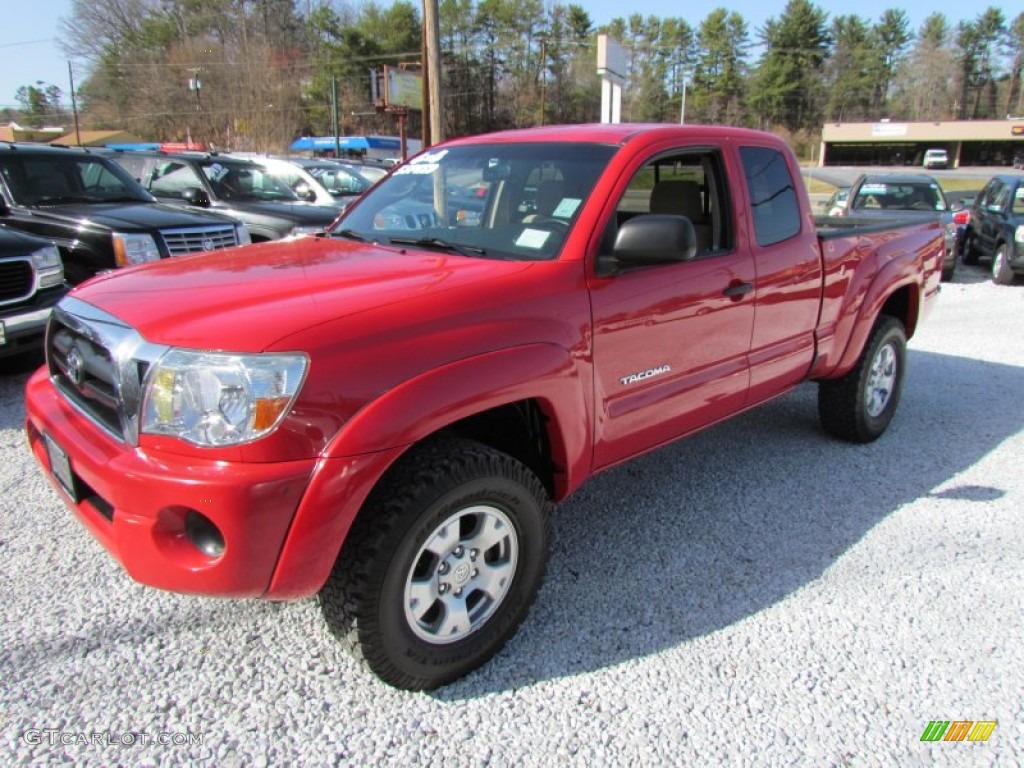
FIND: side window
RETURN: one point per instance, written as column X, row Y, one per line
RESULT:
column 773, row 201
column 688, row 184
column 1018, row 201
column 988, row 194
column 1001, row 199
column 171, row 178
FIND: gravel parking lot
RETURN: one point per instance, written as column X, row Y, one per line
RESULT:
column 757, row 595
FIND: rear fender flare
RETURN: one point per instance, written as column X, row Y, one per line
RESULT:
column 892, row 278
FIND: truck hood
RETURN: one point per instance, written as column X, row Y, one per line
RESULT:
column 246, row 299
column 127, row 217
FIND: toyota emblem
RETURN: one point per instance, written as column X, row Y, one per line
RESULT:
column 76, row 366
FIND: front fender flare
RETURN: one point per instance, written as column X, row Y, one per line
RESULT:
column 425, row 404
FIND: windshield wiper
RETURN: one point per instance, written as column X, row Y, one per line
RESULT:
column 437, row 242
column 348, row 234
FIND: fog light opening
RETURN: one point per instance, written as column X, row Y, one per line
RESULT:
column 204, row 535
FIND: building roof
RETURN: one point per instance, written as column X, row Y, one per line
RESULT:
column 96, row 138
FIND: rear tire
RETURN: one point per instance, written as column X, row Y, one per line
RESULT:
column 442, row 564
column 1002, row 272
column 859, row 406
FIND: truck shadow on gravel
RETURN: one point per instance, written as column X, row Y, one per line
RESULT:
column 716, row 528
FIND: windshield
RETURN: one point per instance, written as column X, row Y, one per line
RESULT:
column 512, row 201
column 58, row 180
column 900, row 196
column 247, row 181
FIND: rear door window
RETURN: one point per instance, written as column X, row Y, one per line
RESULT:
column 772, row 195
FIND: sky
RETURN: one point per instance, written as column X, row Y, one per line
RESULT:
column 30, row 51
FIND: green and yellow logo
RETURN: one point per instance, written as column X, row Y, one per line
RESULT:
column 959, row 730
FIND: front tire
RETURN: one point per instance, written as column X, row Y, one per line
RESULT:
column 859, row 406
column 970, row 249
column 1002, row 272
column 442, row 564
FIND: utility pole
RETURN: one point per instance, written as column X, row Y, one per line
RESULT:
column 432, row 72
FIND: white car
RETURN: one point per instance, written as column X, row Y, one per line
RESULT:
column 936, row 158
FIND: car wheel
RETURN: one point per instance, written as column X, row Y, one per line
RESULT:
column 859, row 406
column 441, row 565
column 949, row 269
column 970, row 249
column 1002, row 273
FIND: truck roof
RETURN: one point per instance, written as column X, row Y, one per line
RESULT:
column 609, row 133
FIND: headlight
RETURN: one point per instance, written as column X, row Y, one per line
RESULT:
column 242, row 236
column 1018, row 235
column 134, row 249
column 48, row 266
column 215, row 398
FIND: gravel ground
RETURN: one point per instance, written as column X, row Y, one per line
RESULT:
column 756, row 595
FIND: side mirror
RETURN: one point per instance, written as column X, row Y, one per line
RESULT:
column 649, row 240
column 196, row 196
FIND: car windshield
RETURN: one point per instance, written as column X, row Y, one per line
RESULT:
column 511, row 201
column 247, row 181
column 57, row 180
column 900, row 196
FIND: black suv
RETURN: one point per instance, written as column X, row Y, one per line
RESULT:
column 96, row 213
column 996, row 229
column 237, row 186
column 31, row 282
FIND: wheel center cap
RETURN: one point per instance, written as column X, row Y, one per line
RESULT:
column 461, row 573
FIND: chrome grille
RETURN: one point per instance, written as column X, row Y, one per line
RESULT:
column 17, row 280
column 198, row 239
column 99, row 364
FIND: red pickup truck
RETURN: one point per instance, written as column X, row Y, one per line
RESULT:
column 382, row 414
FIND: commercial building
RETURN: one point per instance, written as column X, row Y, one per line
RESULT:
column 967, row 142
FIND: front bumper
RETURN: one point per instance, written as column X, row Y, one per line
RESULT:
column 24, row 326
column 137, row 504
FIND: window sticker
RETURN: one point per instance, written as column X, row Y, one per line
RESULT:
column 532, row 238
column 566, row 208
column 874, row 189
column 434, row 157
column 423, row 169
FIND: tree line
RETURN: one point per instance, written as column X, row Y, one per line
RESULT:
column 254, row 74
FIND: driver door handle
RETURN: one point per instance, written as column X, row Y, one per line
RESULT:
column 739, row 289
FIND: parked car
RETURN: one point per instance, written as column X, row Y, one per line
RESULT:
column 384, row 417
column 906, row 196
column 344, row 182
column 31, row 282
column 836, row 205
column 96, row 213
column 239, row 187
column 303, row 183
column 936, row 158
column 996, row 228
